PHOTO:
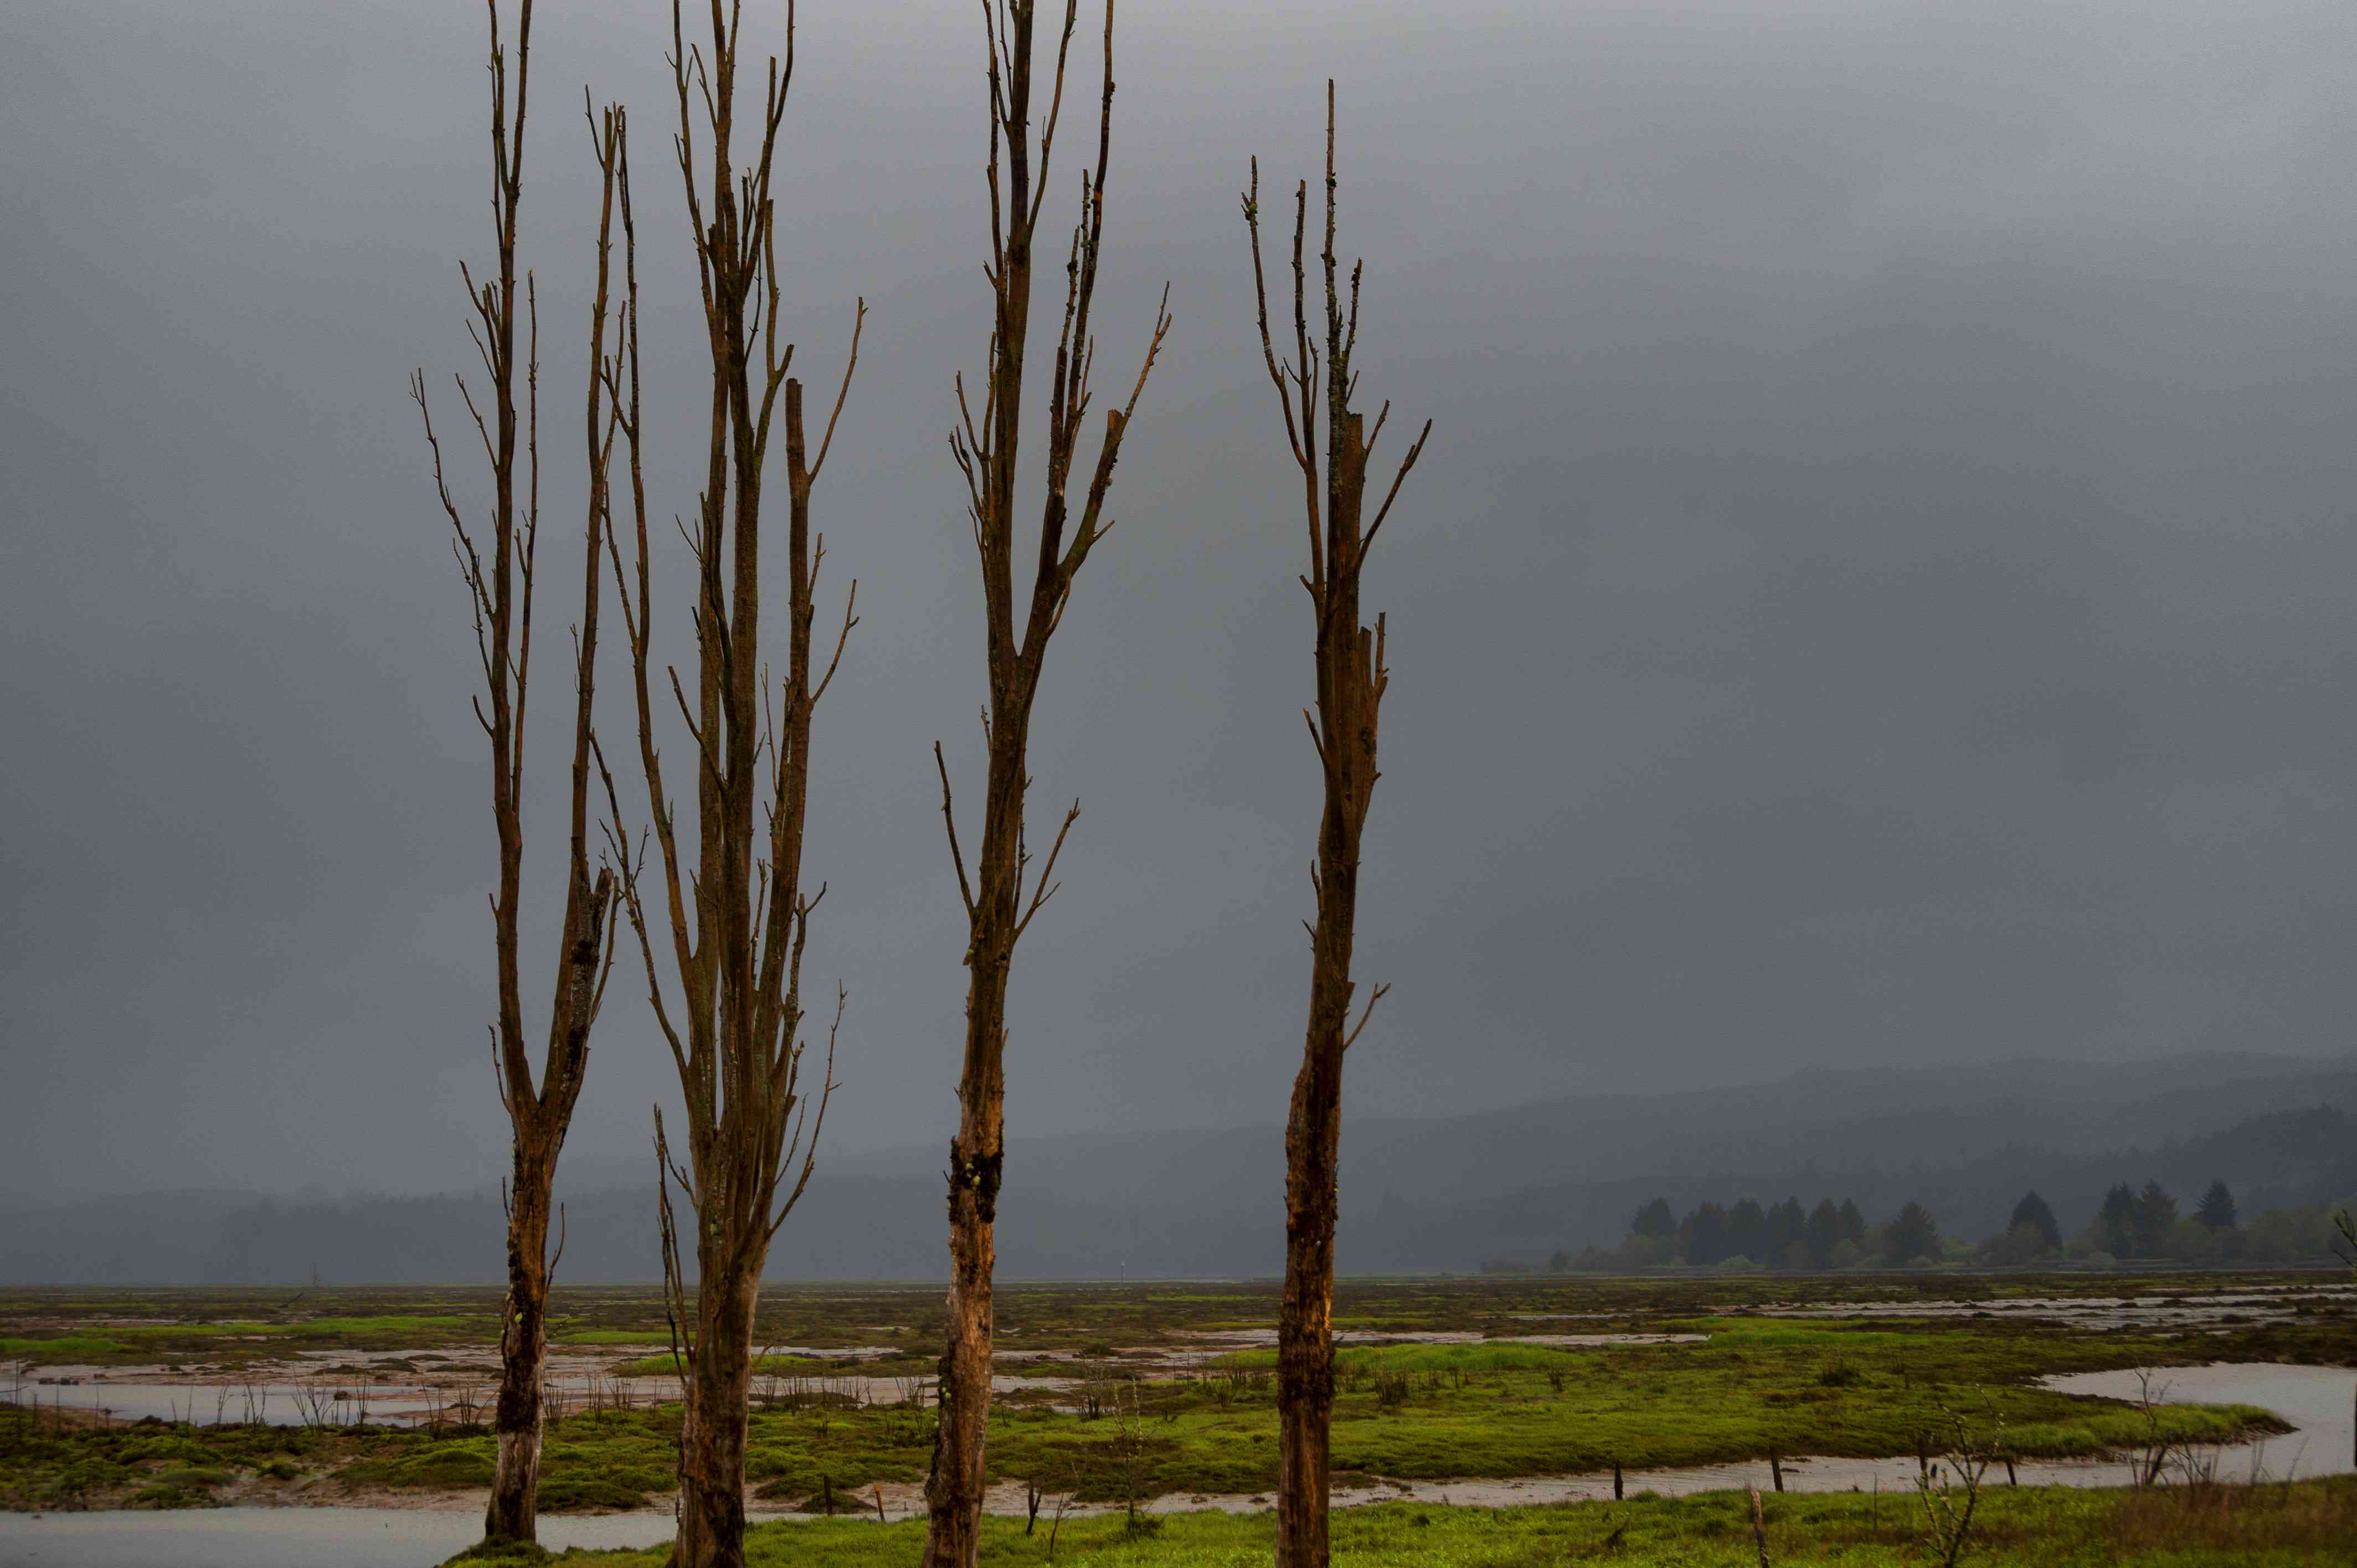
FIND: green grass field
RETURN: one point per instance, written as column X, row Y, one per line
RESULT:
column 2264, row 1527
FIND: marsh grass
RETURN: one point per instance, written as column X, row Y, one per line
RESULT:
column 1423, row 1412
column 2271, row 1527
column 1444, row 1359
column 235, row 1342
column 2239, row 1518
column 64, row 1349
column 612, row 1337
column 668, row 1365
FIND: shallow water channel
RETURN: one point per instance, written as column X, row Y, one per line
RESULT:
column 2316, row 1402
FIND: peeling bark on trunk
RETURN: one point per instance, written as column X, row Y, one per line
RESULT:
column 512, row 1512
column 1351, row 678
column 954, row 1489
column 998, row 907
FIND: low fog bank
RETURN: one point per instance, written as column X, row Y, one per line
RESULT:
column 1444, row 1194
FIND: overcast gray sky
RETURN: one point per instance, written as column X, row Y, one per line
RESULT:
column 1880, row 588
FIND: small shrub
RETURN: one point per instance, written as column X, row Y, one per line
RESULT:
column 189, row 1479
column 569, row 1495
column 1839, row 1373
column 76, row 1481
column 511, row 1551
column 443, row 1465
column 157, row 1497
column 167, row 1448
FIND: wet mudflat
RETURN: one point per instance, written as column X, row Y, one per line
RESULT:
column 2278, row 1304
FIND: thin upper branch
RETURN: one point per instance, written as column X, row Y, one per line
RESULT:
column 1044, row 889
column 948, row 820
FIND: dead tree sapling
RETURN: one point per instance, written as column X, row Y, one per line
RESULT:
column 998, row 907
column 500, row 582
column 735, row 911
column 1351, row 679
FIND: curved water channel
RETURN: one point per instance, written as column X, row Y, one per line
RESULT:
column 2319, row 1402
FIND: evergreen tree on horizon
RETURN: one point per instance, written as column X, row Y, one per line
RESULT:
column 1747, row 1232
column 2155, row 1217
column 1788, row 1228
column 1914, row 1234
column 2114, row 1229
column 2036, row 1211
column 2217, row 1209
column 1703, row 1235
column 1825, row 1233
column 1654, row 1220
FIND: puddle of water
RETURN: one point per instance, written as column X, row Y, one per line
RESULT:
column 285, row 1538
column 276, row 1404
column 349, row 1401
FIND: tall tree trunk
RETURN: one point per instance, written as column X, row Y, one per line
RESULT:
column 1351, row 678
column 500, row 590
column 954, row 1489
column 997, row 904
column 734, row 900
column 977, row 1162
column 512, row 1513
column 1305, row 1332
column 712, row 1437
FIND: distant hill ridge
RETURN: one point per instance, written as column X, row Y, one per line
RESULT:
column 1439, row 1194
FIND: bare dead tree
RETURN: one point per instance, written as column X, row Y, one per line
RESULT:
column 500, row 589
column 1351, row 676
column 1000, row 899
column 1949, row 1504
column 736, row 914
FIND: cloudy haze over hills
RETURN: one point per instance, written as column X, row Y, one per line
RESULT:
column 1880, row 595
column 1448, row 1194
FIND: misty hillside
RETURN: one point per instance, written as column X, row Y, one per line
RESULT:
column 1444, row 1194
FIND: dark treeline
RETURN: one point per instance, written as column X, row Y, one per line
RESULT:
column 2146, row 1222
column 1780, row 1236
column 2132, row 1223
